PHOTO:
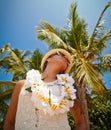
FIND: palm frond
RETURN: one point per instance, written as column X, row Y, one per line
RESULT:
column 16, row 58
column 26, row 54
column 100, row 44
column 48, row 33
column 14, row 61
column 6, row 94
column 105, row 37
column 77, row 36
column 98, row 25
column 104, row 63
column 4, row 48
column 7, row 83
column 88, row 73
column 12, row 58
column 6, row 88
column 35, row 60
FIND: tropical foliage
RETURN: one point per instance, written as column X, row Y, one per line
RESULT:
column 100, row 111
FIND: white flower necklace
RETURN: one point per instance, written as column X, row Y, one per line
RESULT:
column 53, row 97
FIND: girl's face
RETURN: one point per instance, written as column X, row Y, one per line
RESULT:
column 59, row 62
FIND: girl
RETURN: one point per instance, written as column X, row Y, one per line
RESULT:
column 42, row 100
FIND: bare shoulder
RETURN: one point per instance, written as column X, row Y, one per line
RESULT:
column 19, row 85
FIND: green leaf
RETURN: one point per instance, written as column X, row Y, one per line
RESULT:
column 29, row 89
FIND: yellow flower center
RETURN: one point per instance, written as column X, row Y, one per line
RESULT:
column 64, row 79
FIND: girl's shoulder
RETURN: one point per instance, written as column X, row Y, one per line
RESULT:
column 19, row 85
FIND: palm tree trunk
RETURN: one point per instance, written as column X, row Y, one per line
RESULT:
column 81, row 93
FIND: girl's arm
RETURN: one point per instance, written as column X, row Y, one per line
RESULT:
column 11, row 113
column 78, row 116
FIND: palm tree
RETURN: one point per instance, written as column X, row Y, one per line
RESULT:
column 17, row 62
column 86, row 51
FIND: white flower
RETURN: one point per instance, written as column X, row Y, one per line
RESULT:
column 33, row 76
column 65, row 79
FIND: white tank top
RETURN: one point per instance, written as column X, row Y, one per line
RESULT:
column 30, row 118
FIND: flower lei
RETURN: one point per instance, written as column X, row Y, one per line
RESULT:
column 53, row 97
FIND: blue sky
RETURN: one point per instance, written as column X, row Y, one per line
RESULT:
column 19, row 18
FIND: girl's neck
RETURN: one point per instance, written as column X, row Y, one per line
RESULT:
column 50, row 73
column 49, row 76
